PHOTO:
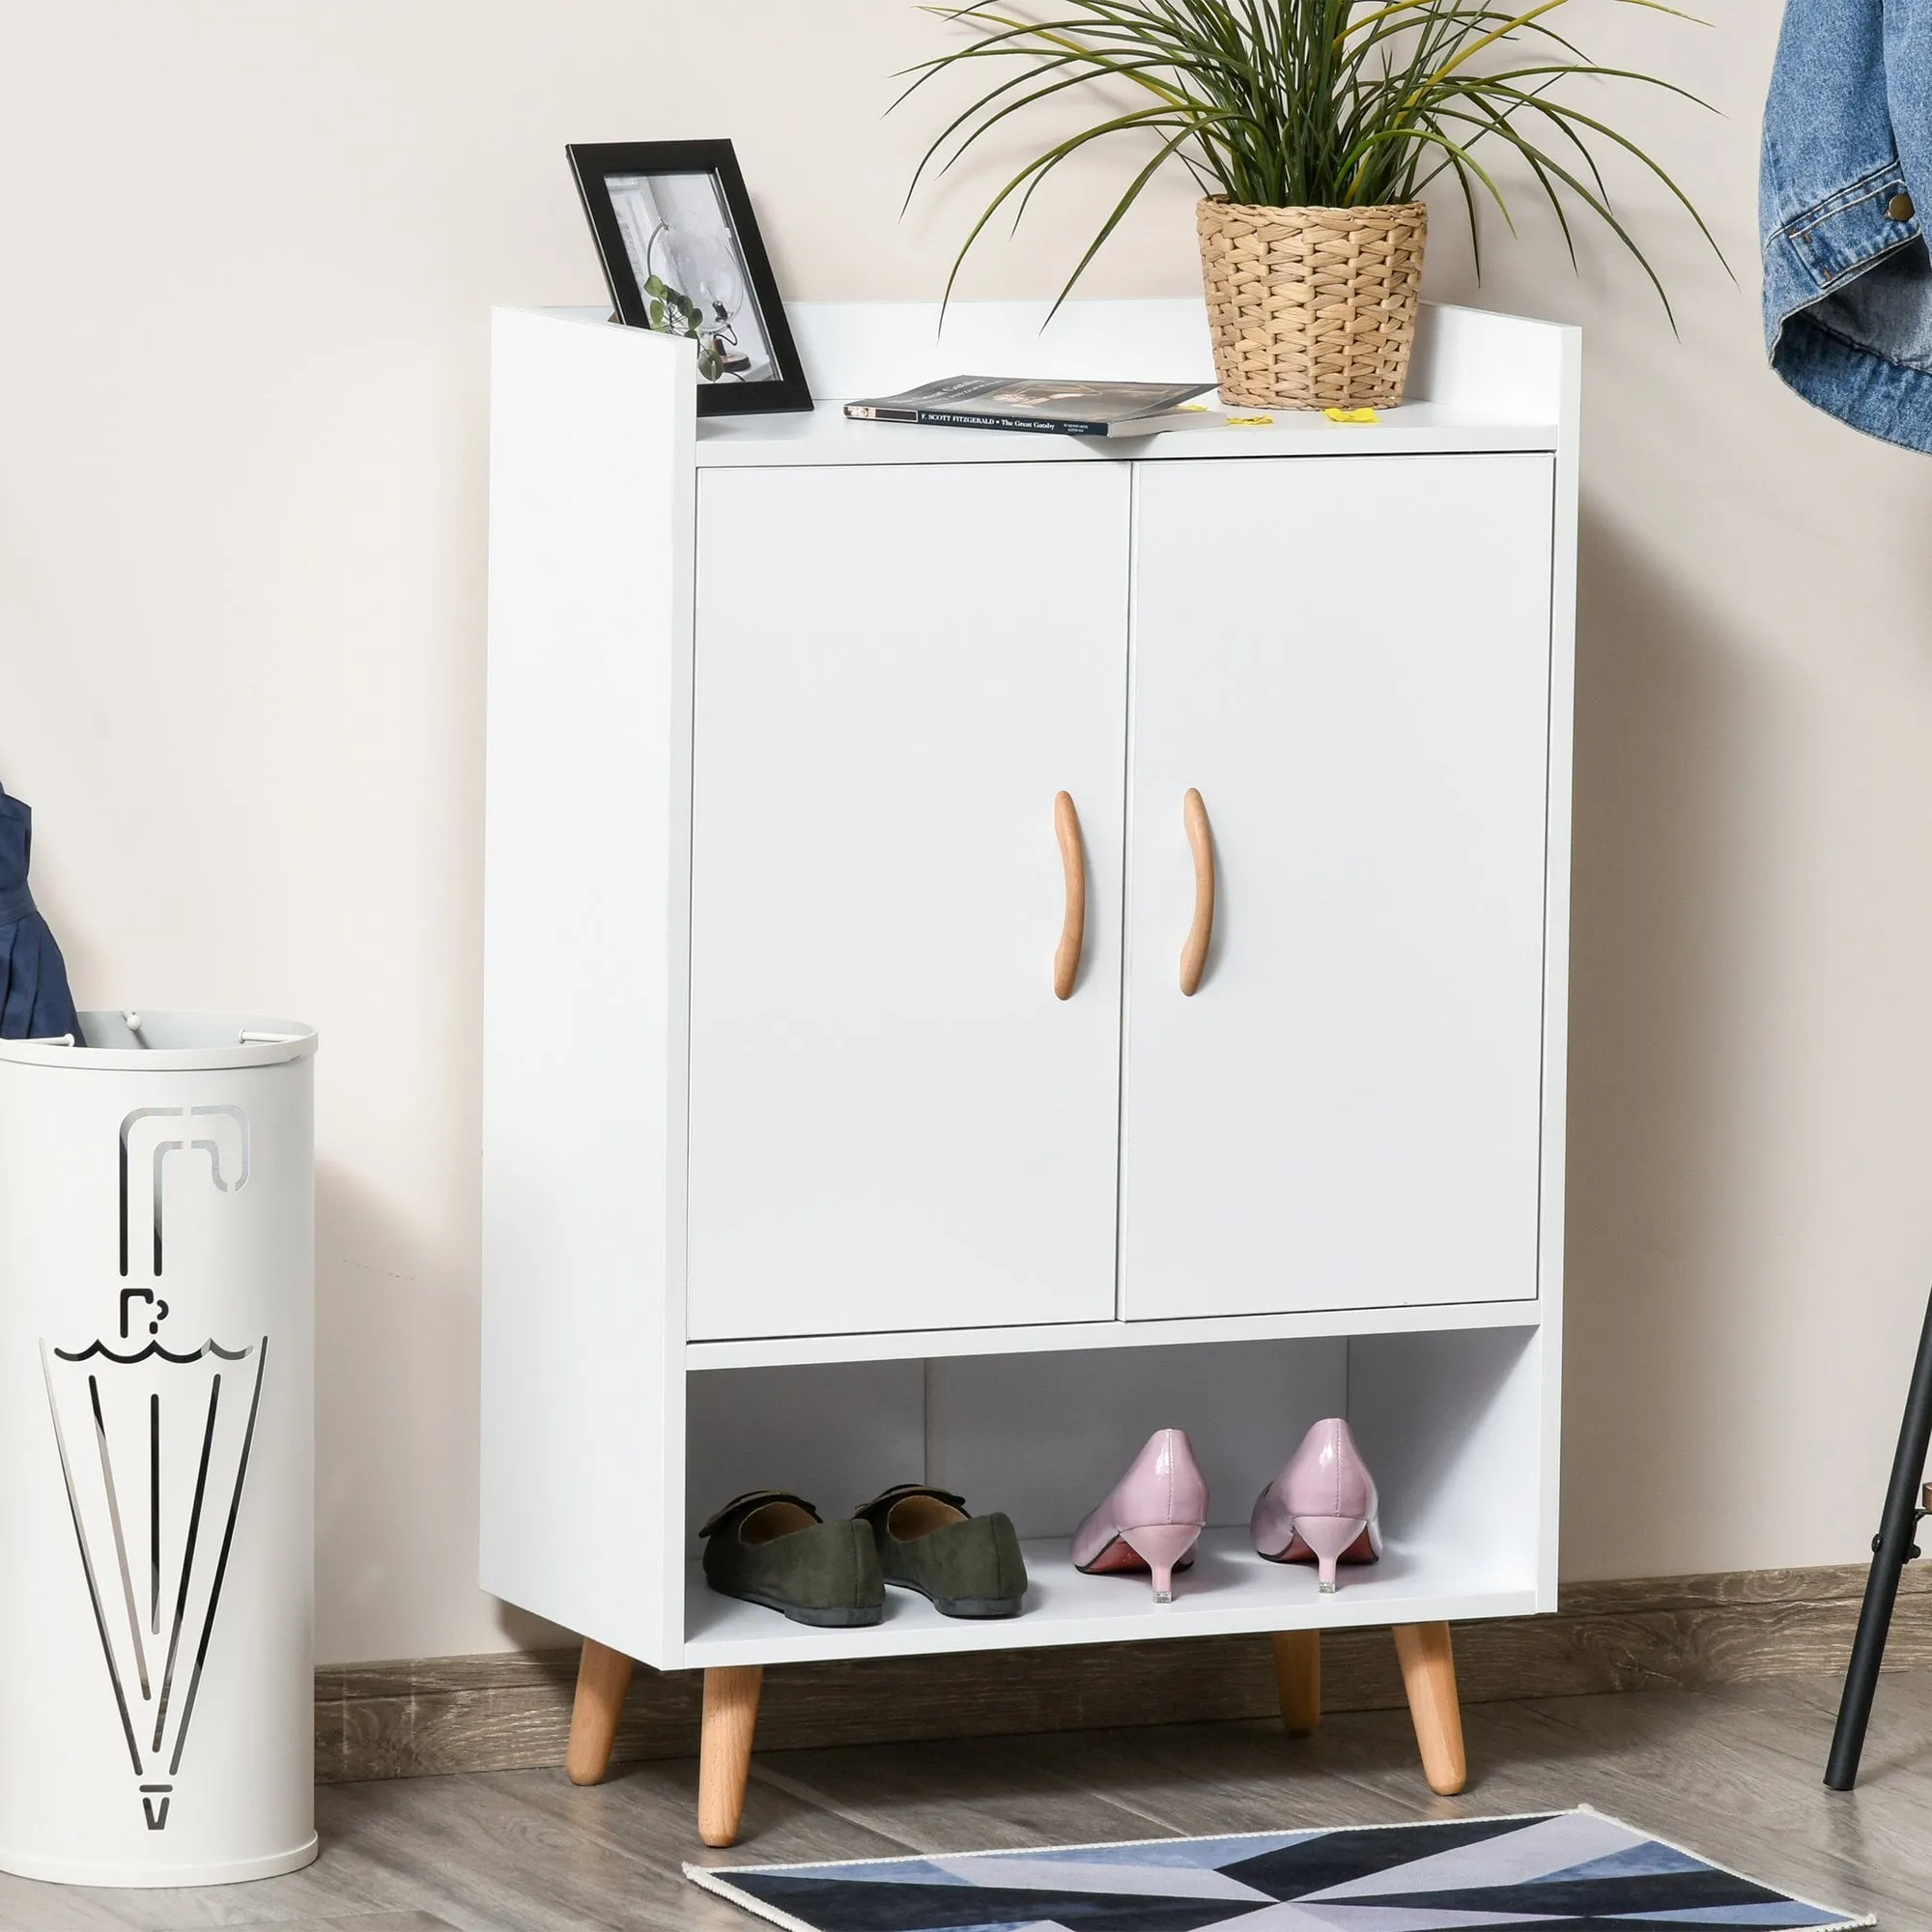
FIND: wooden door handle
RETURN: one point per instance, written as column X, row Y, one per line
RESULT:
column 1194, row 955
column 1073, row 930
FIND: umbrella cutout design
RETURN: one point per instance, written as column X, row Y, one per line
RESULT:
column 162, row 1131
column 131, row 1418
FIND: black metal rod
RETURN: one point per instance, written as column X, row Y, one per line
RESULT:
column 1891, row 1552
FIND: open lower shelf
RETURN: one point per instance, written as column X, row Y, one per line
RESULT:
column 1229, row 1590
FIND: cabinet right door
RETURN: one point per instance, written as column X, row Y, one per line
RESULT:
column 1349, row 659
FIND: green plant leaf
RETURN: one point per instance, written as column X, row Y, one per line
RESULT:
column 1296, row 103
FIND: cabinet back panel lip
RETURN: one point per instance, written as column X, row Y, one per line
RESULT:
column 1476, row 357
column 906, row 1344
column 1481, row 381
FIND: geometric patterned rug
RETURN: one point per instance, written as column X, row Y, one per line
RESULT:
column 1532, row 1874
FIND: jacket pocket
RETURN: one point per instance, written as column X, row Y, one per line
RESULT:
column 1840, row 237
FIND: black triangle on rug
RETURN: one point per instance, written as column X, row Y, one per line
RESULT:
column 1537, row 1873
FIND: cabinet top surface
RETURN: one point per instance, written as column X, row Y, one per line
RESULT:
column 828, row 436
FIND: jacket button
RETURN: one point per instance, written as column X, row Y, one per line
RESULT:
column 1900, row 207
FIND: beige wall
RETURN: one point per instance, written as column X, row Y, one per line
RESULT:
column 248, row 252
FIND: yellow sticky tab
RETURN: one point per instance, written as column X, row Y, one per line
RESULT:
column 1250, row 422
column 1351, row 416
column 1198, row 409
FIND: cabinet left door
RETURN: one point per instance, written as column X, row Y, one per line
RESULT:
column 895, row 1123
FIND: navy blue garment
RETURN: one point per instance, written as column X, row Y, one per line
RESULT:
column 35, row 1003
column 1846, row 182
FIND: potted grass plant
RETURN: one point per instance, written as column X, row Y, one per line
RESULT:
column 1312, row 128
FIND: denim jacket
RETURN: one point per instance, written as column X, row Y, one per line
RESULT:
column 1847, row 168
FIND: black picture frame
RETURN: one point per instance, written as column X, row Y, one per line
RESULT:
column 708, row 240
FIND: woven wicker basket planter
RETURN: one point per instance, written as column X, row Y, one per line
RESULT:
column 1312, row 308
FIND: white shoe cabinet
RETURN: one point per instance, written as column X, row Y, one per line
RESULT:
column 815, row 1159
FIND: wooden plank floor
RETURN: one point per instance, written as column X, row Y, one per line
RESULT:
column 1733, row 1772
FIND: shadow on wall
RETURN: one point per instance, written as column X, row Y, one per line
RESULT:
column 1665, row 708
column 396, row 1450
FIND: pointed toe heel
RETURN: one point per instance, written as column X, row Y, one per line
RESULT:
column 1330, row 1538
column 1322, row 1505
column 1153, row 1518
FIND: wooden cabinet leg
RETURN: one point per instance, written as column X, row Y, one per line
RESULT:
column 1298, row 1679
column 603, row 1676
column 724, row 1762
column 1429, row 1675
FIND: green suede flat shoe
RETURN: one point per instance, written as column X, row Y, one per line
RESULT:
column 970, row 1566
column 772, row 1548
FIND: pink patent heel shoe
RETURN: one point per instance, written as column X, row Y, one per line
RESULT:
column 1153, row 1518
column 1323, row 1507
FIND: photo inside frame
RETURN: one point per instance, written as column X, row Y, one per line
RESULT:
column 676, row 228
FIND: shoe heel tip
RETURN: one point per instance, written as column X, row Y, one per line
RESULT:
column 1326, row 1589
column 1163, row 1596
